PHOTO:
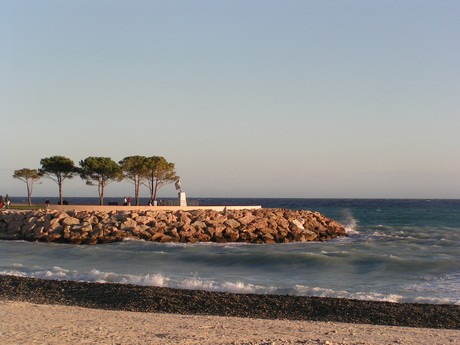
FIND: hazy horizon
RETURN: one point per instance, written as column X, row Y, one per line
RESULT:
column 295, row 99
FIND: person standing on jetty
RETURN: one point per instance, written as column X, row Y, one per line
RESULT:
column 129, row 200
column 7, row 201
column 1, row 201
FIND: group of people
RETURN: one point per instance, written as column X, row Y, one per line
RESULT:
column 5, row 202
column 127, row 201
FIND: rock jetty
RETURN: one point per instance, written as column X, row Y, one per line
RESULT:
column 95, row 227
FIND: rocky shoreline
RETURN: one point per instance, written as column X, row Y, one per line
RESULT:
column 126, row 297
column 95, row 227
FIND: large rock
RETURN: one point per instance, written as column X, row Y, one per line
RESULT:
column 91, row 227
column 68, row 221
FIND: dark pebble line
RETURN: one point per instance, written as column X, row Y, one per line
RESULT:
column 126, row 297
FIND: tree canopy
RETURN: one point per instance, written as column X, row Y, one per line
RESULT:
column 100, row 171
column 29, row 176
column 153, row 172
column 159, row 172
column 134, row 169
column 58, row 169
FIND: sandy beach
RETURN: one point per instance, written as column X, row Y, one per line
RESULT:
column 38, row 311
column 27, row 323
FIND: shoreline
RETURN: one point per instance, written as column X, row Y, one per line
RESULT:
column 150, row 299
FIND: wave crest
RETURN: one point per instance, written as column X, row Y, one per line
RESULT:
column 350, row 222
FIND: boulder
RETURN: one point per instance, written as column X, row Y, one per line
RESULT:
column 90, row 227
column 156, row 237
column 69, row 221
column 298, row 223
column 232, row 223
column 166, row 238
column 199, row 224
column 231, row 234
column 16, row 226
column 128, row 224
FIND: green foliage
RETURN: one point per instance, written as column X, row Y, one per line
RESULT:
column 159, row 172
column 100, row 171
column 154, row 172
column 134, row 169
column 58, row 169
column 29, row 207
column 29, row 176
column 26, row 174
column 133, row 165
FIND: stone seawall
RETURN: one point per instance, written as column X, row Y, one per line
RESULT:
column 93, row 227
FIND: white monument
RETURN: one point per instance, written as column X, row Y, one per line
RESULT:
column 181, row 194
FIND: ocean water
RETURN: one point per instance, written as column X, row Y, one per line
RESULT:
column 397, row 250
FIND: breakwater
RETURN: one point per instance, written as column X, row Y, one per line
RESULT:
column 94, row 227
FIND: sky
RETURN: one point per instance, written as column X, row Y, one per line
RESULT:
column 258, row 98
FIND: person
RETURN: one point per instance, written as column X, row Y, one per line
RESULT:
column 129, row 200
column 7, row 201
column 47, row 203
column 1, row 201
column 125, row 201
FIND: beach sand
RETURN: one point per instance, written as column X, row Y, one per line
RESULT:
column 27, row 323
column 38, row 311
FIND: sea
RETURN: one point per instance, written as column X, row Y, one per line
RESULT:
column 396, row 250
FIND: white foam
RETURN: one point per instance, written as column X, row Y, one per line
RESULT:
column 434, row 300
column 303, row 290
column 198, row 284
column 350, row 223
column 236, row 287
column 375, row 296
column 240, row 287
column 132, row 239
column 144, row 280
column 58, row 273
column 150, row 280
column 13, row 273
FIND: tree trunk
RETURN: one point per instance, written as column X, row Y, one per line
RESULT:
column 136, row 190
column 29, row 193
column 155, row 191
column 60, row 192
column 101, row 193
column 151, row 190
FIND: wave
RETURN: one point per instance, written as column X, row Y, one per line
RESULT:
column 350, row 222
column 59, row 273
column 235, row 287
column 196, row 283
column 303, row 290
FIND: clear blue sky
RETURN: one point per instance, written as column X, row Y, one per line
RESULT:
column 248, row 98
